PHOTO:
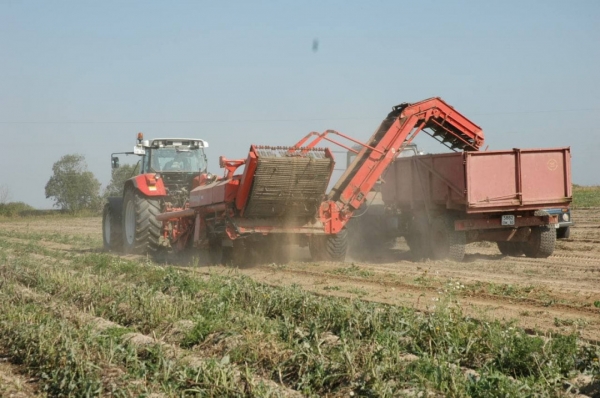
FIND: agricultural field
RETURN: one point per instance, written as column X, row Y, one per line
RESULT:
column 76, row 321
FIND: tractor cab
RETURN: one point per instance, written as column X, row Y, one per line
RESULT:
column 168, row 155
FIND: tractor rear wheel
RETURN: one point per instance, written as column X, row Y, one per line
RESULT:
column 446, row 242
column 141, row 229
column 513, row 249
column 331, row 247
column 112, row 233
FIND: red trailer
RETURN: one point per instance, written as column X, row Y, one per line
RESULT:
column 441, row 202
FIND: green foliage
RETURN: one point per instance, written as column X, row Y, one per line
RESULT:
column 72, row 186
column 118, row 178
column 586, row 196
column 315, row 345
column 12, row 209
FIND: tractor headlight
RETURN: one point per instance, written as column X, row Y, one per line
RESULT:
column 565, row 217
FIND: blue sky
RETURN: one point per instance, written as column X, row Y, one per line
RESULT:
column 84, row 77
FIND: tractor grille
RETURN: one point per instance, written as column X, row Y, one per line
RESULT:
column 288, row 184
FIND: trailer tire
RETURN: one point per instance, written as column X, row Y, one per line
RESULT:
column 446, row 242
column 112, row 233
column 513, row 249
column 141, row 229
column 563, row 233
column 542, row 240
column 331, row 247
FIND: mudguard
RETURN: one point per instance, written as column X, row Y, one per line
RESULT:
column 149, row 185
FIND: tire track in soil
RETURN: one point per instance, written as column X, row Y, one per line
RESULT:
column 528, row 313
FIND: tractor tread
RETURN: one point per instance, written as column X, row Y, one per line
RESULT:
column 147, row 227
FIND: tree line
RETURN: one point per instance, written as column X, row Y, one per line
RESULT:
column 73, row 188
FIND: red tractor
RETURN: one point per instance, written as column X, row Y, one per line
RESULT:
column 169, row 169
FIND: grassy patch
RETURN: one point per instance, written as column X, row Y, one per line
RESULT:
column 352, row 270
column 586, row 196
column 247, row 330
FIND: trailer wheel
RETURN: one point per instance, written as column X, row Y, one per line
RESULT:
column 112, row 234
column 445, row 241
column 541, row 241
column 513, row 249
column 141, row 229
column 563, row 233
column 329, row 247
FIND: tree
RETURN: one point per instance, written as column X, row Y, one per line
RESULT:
column 72, row 186
column 119, row 176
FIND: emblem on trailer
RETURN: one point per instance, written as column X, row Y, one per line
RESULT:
column 552, row 164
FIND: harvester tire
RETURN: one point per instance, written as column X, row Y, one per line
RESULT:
column 446, row 242
column 542, row 240
column 112, row 230
column 329, row 247
column 141, row 229
column 513, row 249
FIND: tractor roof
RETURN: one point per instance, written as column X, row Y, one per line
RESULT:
column 158, row 142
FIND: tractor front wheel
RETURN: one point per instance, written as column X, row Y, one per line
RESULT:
column 141, row 229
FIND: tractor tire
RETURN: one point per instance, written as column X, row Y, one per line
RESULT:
column 112, row 230
column 329, row 247
column 513, row 249
column 563, row 233
column 141, row 229
column 446, row 243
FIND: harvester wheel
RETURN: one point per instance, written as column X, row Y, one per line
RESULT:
column 541, row 241
column 329, row 247
column 446, row 242
column 112, row 233
column 513, row 249
column 141, row 229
